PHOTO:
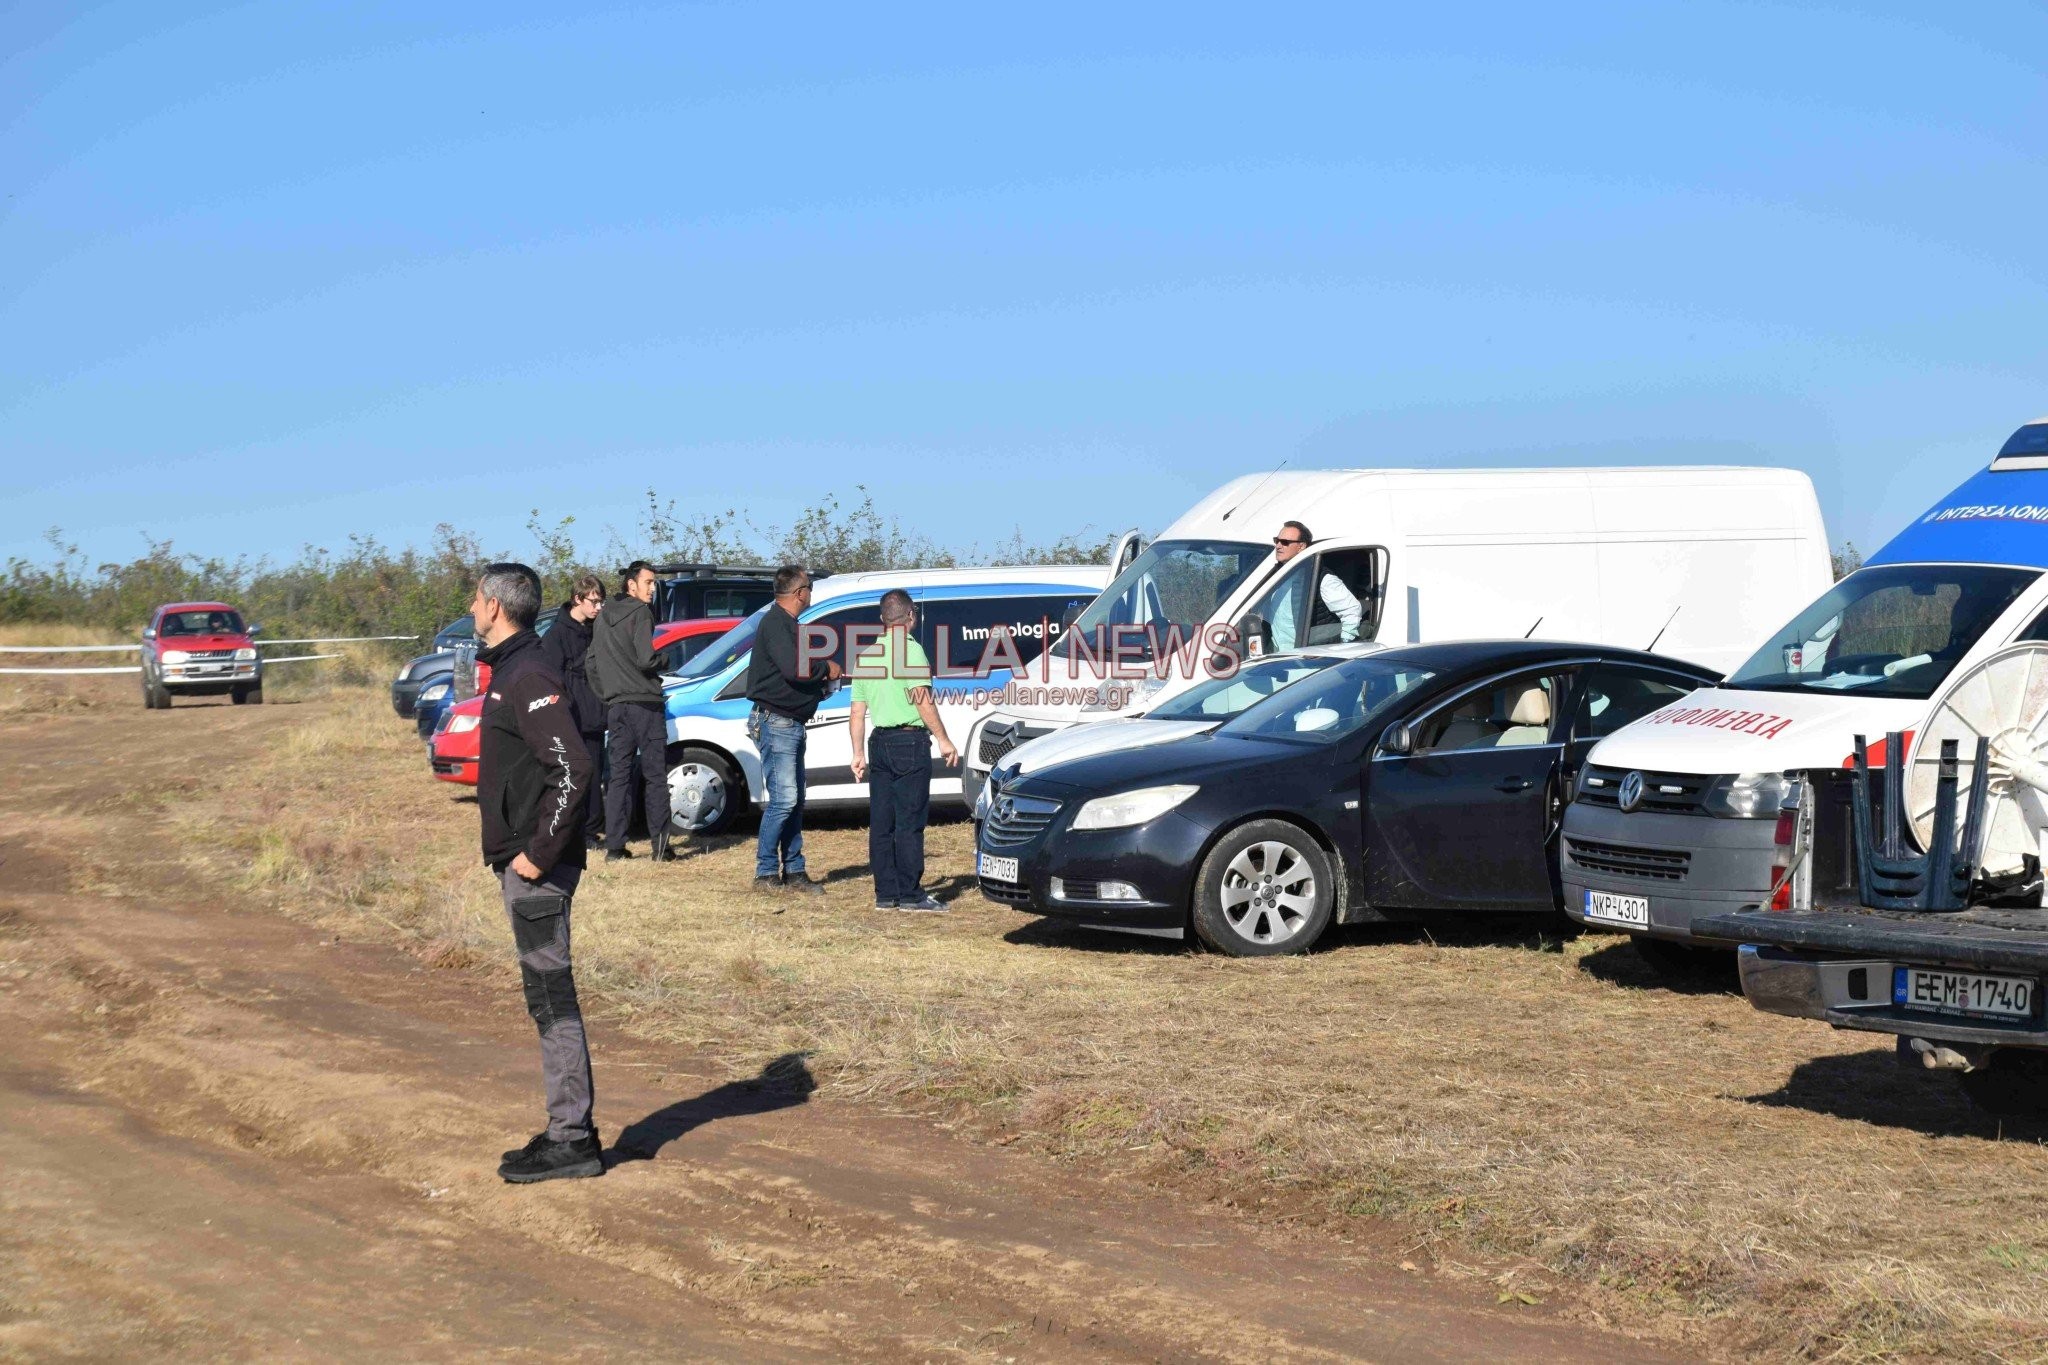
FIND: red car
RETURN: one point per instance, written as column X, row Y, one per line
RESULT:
column 453, row 749
column 199, row 649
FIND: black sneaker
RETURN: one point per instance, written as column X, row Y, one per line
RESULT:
column 769, row 883
column 925, row 903
column 881, row 904
column 802, row 885
column 617, row 855
column 539, row 1140
column 546, row 1159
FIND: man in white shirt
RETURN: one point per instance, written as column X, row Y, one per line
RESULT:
column 1341, row 601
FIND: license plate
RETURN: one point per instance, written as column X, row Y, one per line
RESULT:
column 1613, row 909
column 998, row 869
column 1940, row 992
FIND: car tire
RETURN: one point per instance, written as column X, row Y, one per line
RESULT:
column 239, row 695
column 256, row 695
column 154, row 694
column 148, row 693
column 705, row 792
column 2015, row 1085
column 1266, row 889
column 1681, row 961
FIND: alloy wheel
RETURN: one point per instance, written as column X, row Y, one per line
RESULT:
column 1269, row 892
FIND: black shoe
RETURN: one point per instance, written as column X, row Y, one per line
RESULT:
column 536, row 1142
column 545, row 1159
column 802, row 885
column 617, row 855
column 768, row 883
column 885, row 905
column 923, row 902
column 659, row 850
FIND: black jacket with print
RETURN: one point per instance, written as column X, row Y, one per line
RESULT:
column 533, row 770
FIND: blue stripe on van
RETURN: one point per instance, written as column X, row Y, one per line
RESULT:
column 1997, row 517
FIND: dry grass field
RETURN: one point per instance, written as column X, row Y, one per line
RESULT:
column 1529, row 1106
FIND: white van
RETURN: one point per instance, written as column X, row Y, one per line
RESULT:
column 1684, row 560
column 1738, row 795
column 714, row 770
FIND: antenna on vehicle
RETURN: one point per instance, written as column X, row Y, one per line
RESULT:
column 1255, row 488
column 1532, row 628
column 1661, row 629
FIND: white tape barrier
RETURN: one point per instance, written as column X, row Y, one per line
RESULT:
column 115, row 649
column 137, row 668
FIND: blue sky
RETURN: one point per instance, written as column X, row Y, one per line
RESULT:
column 276, row 273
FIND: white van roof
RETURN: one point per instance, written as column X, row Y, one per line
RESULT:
column 1340, row 501
column 1092, row 576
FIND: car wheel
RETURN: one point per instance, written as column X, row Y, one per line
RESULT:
column 1265, row 890
column 148, row 692
column 705, row 795
column 256, row 695
column 239, row 695
column 2015, row 1085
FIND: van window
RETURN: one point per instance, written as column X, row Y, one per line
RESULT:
column 735, row 601
column 1173, row 584
column 955, row 631
column 1894, row 631
column 1343, row 608
column 1614, row 696
column 1512, row 714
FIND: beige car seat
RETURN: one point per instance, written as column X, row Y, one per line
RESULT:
column 1529, row 722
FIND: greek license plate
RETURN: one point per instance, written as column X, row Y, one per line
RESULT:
column 1990, row 997
column 998, row 869
column 1612, row 909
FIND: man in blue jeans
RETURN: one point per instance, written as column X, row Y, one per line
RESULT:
column 892, row 691
column 785, row 696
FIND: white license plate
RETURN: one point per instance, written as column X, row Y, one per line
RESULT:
column 1612, row 909
column 1940, row 992
column 997, row 869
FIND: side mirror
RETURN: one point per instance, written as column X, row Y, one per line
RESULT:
column 149, row 632
column 255, row 631
column 1398, row 739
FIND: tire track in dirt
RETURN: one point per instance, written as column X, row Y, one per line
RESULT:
column 334, row 1108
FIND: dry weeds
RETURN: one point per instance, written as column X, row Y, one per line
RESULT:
column 1669, row 1160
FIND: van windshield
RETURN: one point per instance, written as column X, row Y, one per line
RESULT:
column 1174, row 583
column 732, row 645
column 1894, row 631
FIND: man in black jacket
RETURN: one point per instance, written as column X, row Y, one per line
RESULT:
column 564, row 647
column 627, row 676
column 532, row 773
column 785, row 696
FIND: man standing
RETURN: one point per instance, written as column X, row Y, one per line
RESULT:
column 628, row 677
column 532, row 772
column 892, row 687
column 1337, row 598
column 785, row 697
column 566, row 647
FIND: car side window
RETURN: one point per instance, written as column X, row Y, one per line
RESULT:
column 1345, row 605
column 1514, row 713
column 2037, row 629
column 736, row 602
column 1614, row 696
column 956, row 631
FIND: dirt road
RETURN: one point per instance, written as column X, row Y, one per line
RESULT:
column 227, row 1132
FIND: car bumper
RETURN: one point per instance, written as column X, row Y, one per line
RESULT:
column 198, row 678
column 458, row 770
column 1688, row 866
column 1158, row 858
column 405, row 698
column 1855, row 993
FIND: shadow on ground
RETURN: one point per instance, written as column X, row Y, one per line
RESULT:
column 1703, row 972
column 1871, row 1087
column 782, row 1084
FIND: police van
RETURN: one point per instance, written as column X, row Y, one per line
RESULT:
column 1682, row 560
column 1738, row 796
column 965, row 617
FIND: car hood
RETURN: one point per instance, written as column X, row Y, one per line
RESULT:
column 1727, row 730
column 1085, row 741
column 199, row 642
column 1196, row 759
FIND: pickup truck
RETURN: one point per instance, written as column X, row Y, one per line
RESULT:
column 199, row 649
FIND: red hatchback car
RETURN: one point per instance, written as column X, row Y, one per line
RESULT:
column 454, row 748
column 199, row 649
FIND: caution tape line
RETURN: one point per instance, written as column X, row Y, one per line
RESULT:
column 137, row 668
column 116, row 649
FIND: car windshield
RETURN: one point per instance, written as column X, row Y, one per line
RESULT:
column 463, row 625
column 1894, row 631
column 1325, row 707
column 734, row 644
column 209, row 622
column 1174, row 583
column 1222, row 698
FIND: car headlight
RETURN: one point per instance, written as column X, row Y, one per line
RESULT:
column 245, row 653
column 434, row 693
column 1131, row 808
column 173, row 656
column 1746, row 796
column 462, row 725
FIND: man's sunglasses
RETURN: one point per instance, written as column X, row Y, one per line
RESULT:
column 1283, row 540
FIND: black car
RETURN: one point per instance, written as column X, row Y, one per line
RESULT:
column 1421, row 778
column 417, row 674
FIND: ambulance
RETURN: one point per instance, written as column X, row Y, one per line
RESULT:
column 1737, row 796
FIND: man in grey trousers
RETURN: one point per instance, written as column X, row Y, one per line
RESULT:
column 532, row 775
column 622, row 667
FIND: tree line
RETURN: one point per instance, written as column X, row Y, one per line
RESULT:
column 371, row 588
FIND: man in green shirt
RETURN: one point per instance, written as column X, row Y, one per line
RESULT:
column 892, row 689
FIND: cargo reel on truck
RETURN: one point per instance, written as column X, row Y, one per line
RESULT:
column 2004, row 699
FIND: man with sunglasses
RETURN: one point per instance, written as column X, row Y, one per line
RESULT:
column 1335, row 598
column 785, row 696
